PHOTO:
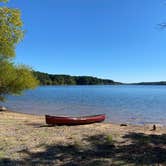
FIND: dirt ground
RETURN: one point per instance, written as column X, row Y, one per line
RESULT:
column 26, row 140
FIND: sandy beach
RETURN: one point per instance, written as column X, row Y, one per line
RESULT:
column 26, row 140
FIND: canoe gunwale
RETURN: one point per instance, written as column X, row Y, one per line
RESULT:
column 67, row 120
column 75, row 117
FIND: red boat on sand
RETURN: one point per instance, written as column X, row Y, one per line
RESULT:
column 67, row 120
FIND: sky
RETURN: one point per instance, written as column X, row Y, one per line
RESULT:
column 114, row 39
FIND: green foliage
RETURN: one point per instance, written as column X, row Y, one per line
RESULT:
column 13, row 78
column 52, row 79
column 3, row 0
column 10, row 31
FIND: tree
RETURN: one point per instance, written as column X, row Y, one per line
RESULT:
column 13, row 78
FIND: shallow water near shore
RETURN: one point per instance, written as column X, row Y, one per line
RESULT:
column 122, row 104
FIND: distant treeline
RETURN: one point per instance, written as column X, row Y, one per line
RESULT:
column 53, row 79
column 151, row 83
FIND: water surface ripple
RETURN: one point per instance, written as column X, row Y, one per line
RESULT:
column 132, row 104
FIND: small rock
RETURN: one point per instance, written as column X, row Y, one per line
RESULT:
column 2, row 108
column 154, row 127
column 123, row 124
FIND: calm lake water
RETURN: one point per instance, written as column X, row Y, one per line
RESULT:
column 132, row 104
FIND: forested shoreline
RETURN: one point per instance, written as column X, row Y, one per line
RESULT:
column 150, row 83
column 55, row 79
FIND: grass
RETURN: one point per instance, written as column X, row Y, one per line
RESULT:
column 2, row 154
column 109, row 139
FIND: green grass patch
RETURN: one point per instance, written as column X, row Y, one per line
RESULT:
column 2, row 154
column 109, row 139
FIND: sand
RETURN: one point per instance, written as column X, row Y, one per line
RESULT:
column 26, row 140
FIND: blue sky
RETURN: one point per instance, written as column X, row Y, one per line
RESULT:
column 116, row 39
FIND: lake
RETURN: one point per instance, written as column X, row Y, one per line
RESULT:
column 122, row 103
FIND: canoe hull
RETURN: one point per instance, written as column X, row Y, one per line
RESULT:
column 64, row 120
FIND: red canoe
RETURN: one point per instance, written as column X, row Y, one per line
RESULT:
column 67, row 120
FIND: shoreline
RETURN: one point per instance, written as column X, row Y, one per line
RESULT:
column 25, row 139
column 105, row 122
column 28, row 115
column 40, row 119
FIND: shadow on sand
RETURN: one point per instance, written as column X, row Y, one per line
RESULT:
column 136, row 149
